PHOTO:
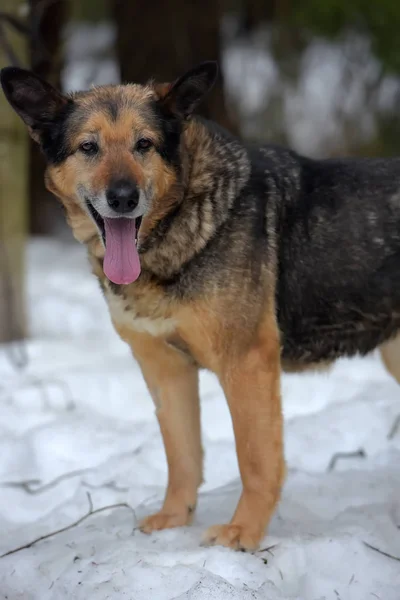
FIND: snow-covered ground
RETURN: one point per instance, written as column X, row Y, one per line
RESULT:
column 78, row 420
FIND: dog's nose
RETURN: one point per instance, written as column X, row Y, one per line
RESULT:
column 122, row 195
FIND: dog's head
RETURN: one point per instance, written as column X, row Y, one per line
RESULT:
column 113, row 152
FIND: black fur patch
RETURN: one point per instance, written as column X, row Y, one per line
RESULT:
column 329, row 230
column 339, row 259
column 54, row 137
column 111, row 106
column 171, row 127
column 322, row 236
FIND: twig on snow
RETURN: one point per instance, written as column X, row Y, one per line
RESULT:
column 18, row 354
column 394, row 428
column 27, row 485
column 109, row 485
column 360, row 453
column 268, row 549
column 90, row 513
column 382, row 552
column 42, row 384
column 33, row 486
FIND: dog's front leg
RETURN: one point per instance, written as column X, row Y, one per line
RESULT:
column 173, row 383
column 251, row 382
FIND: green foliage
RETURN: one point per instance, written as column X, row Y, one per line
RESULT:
column 90, row 10
column 379, row 18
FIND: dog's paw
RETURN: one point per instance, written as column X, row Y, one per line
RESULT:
column 237, row 537
column 164, row 520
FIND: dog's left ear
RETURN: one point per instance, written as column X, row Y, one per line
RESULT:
column 183, row 96
column 34, row 100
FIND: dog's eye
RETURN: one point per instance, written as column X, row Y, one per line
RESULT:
column 143, row 144
column 89, row 148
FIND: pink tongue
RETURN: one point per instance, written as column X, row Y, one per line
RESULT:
column 121, row 261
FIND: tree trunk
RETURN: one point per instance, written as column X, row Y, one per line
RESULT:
column 164, row 39
column 13, row 197
column 259, row 12
column 46, row 20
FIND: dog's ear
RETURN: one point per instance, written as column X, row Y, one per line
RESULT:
column 34, row 100
column 185, row 94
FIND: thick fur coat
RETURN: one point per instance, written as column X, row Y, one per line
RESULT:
column 243, row 260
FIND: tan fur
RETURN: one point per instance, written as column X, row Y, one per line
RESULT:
column 173, row 383
column 390, row 352
column 207, row 289
column 249, row 374
column 126, row 314
column 116, row 138
column 251, row 384
column 233, row 334
column 142, row 301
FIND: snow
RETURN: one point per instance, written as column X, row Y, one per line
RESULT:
column 330, row 100
column 78, row 420
column 90, row 56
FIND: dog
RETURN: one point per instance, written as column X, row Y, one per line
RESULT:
column 245, row 260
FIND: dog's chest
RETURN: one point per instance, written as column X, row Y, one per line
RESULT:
column 143, row 311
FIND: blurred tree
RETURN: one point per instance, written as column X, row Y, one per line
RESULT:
column 364, row 31
column 164, row 39
column 257, row 12
column 46, row 20
column 13, row 186
column 379, row 19
column 378, row 23
column 90, row 10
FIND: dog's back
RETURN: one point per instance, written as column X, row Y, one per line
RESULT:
column 338, row 288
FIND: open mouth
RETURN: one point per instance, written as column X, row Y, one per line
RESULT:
column 98, row 219
column 120, row 236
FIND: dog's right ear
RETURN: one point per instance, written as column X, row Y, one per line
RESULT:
column 34, row 100
column 183, row 96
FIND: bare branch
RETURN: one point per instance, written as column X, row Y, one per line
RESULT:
column 394, row 428
column 339, row 455
column 109, row 485
column 381, row 552
column 38, row 11
column 66, row 390
column 27, row 485
column 17, row 24
column 90, row 513
column 7, row 49
column 33, row 487
column 268, row 549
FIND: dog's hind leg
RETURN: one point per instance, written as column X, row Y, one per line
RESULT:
column 390, row 352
